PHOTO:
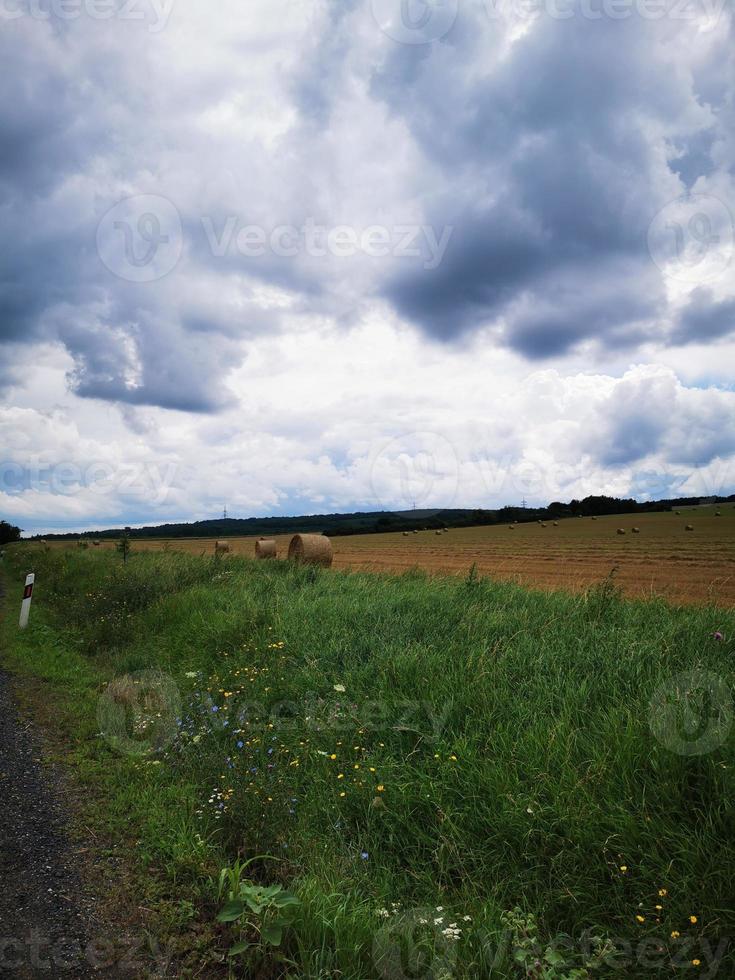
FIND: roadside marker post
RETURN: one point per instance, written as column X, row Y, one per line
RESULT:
column 25, row 606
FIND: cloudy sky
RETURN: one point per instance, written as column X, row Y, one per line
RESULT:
column 300, row 256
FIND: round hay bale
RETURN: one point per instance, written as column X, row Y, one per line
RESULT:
column 636, row 530
column 689, row 527
column 543, row 525
column 446, row 530
column 405, row 534
column 717, row 514
column 594, row 518
column 511, row 528
column 621, row 530
column 222, row 547
column 556, row 524
column 311, row 549
column 96, row 543
column 678, row 513
column 437, row 532
column 415, row 532
column 266, row 548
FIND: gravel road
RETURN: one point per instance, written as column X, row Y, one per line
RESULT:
column 47, row 921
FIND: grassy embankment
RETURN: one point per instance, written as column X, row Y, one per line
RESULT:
column 492, row 748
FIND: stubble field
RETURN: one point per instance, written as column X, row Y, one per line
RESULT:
column 663, row 559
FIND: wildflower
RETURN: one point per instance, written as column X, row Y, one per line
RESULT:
column 190, row 673
column 640, row 918
column 381, row 788
column 339, row 688
column 364, row 855
column 343, row 794
column 466, row 918
column 693, row 919
column 696, row 962
column 333, row 756
column 341, row 776
column 623, row 868
column 662, row 893
column 675, row 934
column 717, row 636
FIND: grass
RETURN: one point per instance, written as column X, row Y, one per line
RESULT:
column 492, row 749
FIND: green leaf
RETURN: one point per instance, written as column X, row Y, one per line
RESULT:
column 238, row 948
column 286, row 899
column 271, row 891
column 231, row 911
column 272, row 933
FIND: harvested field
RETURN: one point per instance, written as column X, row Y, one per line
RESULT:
column 664, row 559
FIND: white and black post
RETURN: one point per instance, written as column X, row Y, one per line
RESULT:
column 25, row 606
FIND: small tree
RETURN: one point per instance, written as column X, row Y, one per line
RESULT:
column 123, row 546
column 8, row 533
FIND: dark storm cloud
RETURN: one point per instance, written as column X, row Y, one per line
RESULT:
column 552, row 150
column 703, row 319
column 547, row 159
column 155, row 343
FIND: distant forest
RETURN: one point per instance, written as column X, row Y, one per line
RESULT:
column 382, row 521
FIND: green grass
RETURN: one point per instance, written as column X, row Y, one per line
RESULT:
column 506, row 757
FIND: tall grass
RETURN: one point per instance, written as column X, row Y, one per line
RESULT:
column 406, row 743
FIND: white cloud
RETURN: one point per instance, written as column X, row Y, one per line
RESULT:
column 308, row 381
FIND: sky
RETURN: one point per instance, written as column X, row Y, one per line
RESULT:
column 307, row 256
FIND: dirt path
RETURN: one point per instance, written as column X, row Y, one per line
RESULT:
column 47, row 923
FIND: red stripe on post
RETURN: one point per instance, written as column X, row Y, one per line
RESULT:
column 28, row 592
